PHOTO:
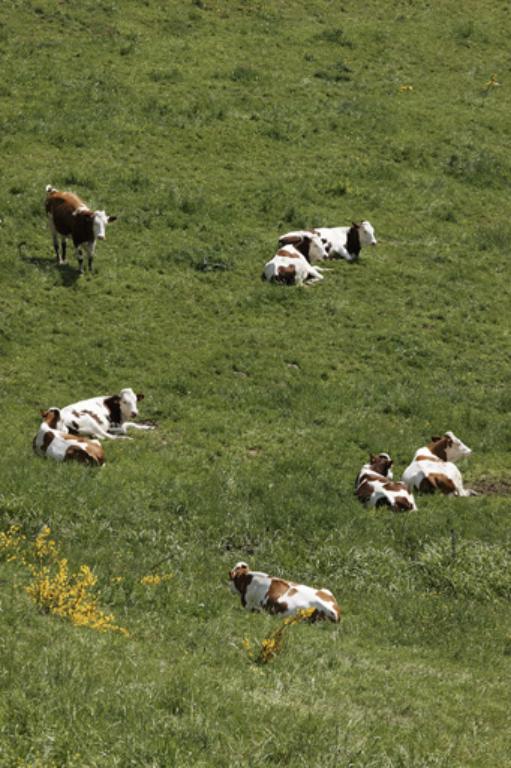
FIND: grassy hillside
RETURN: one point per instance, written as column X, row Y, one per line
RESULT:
column 211, row 127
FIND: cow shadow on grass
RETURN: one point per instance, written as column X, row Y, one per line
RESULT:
column 68, row 274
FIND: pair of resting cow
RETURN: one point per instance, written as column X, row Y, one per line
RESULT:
column 432, row 468
column 295, row 263
column 73, row 433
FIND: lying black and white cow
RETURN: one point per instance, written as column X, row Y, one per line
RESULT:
column 105, row 417
column 346, row 242
column 375, row 486
column 289, row 267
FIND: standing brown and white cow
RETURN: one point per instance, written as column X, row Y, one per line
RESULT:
column 69, row 216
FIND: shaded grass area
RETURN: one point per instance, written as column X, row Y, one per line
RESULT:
column 210, row 129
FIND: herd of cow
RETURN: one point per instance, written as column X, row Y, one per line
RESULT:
column 293, row 264
column 74, row 432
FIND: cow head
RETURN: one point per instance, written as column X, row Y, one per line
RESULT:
column 381, row 463
column 449, row 447
column 239, row 579
column 51, row 417
column 366, row 233
column 128, row 403
column 319, row 247
column 99, row 223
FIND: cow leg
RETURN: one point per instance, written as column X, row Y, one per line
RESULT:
column 90, row 426
column 63, row 245
column 90, row 255
column 465, row 492
column 56, row 246
column 79, row 256
column 55, row 239
column 131, row 425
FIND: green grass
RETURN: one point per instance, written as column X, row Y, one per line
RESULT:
column 210, row 128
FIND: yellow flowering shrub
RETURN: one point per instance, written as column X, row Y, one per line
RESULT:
column 273, row 644
column 53, row 588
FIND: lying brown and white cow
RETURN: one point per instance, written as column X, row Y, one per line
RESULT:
column 308, row 243
column 105, row 416
column 346, row 242
column 375, row 486
column 259, row 592
column 433, row 467
column 61, row 446
column 69, row 216
column 290, row 267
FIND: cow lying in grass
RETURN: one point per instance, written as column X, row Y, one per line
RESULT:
column 433, row 467
column 308, row 243
column 290, row 267
column 375, row 486
column 69, row 216
column 346, row 242
column 61, row 446
column 104, row 416
column 260, row 592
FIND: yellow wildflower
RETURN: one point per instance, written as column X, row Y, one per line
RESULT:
column 154, row 579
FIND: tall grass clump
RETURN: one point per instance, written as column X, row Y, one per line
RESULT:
column 470, row 569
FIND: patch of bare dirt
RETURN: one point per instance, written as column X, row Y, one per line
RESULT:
column 491, row 486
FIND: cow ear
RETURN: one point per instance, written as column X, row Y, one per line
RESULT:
column 354, row 224
column 372, row 458
column 435, row 439
column 112, row 218
column 43, row 413
column 140, row 396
